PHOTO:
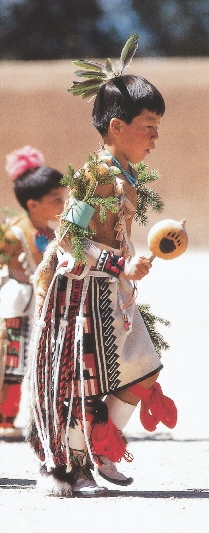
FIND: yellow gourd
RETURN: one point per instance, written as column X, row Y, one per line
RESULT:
column 168, row 239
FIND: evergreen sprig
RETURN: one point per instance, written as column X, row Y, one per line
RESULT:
column 104, row 205
column 146, row 197
column 4, row 259
column 84, row 182
column 76, row 236
column 76, row 182
column 150, row 321
column 2, row 231
column 83, row 185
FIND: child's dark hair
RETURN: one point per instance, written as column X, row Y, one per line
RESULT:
column 125, row 97
column 34, row 184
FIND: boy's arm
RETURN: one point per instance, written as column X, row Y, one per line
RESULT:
column 134, row 269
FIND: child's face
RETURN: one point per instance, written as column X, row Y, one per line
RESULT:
column 51, row 204
column 137, row 139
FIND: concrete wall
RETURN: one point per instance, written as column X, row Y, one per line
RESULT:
column 36, row 109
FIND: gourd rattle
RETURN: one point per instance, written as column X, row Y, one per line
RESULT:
column 168, row 239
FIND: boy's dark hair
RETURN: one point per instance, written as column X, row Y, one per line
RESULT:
column 34, row 184
column 125, row 97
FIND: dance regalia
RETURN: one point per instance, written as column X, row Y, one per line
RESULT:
column 16, row 310
column 89, row 341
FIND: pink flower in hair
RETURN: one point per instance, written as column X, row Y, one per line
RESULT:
column 19, row 161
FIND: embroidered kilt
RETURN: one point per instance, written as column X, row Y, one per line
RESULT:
column 113, row 357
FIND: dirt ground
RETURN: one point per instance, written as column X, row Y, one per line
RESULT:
column 169, row 494
column 170, row 468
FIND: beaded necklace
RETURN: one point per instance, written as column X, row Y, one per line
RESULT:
column 131, row 178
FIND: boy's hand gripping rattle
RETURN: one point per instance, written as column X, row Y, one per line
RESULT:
column 167, row 239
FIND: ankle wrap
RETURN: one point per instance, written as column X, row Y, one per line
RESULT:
column 155, row 407
column 107, row 440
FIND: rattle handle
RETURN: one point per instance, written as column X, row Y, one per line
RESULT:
column 150, row 256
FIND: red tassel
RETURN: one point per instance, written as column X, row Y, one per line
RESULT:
column 107, row 440
column 155, row 407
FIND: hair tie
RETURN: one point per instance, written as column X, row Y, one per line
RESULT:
column 19, row 161
column 119, row 83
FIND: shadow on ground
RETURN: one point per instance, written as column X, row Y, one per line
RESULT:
column 14, row 484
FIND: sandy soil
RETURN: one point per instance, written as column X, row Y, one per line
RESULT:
column 169, row 493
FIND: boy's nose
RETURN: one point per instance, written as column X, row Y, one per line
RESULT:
column 155, row 134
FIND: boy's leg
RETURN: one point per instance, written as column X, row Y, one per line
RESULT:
column 76, row 477
column 121, row 406
column 155, row 407
column 84, row 484
column 105, row 440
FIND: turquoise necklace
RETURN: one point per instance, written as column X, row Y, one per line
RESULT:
column 131, row 178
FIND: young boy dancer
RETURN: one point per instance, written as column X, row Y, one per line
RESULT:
column 22, row 242
column 93, row 359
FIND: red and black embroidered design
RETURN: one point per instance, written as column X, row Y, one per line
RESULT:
column 46, row 368
column 110, row 263
column 18, row 337
column 100, row 339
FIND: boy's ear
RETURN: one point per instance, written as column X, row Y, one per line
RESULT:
column 31, row 204
column 115, row 126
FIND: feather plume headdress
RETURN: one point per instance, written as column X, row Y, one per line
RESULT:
column 96, row 74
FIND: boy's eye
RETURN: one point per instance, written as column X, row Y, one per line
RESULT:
column 153, row 128
column 58, row 201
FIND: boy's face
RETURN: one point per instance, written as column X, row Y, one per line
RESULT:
column 135, row 140
column 51, row 204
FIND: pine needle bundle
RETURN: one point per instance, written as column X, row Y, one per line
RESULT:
column 146, row 197
column 150, row 321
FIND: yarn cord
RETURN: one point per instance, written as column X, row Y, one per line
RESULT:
column 79, row 327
